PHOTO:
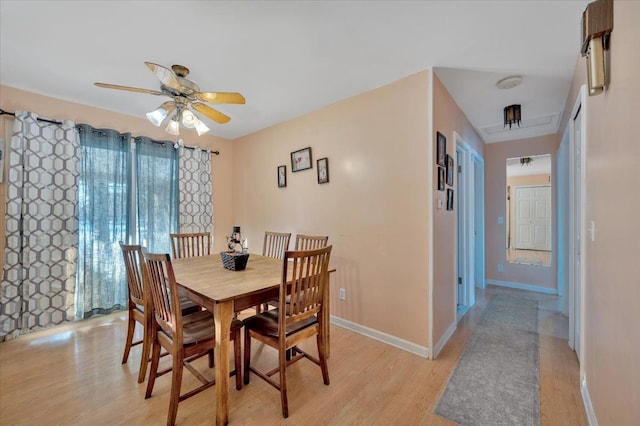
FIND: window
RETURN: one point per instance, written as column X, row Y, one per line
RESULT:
column 128, row 191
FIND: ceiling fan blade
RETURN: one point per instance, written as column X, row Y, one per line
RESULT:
column 165, row 75
column 213, row 114
column 128, row 89
column 221, row 97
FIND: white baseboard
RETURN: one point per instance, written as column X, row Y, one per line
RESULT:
column 444, row 339
column 381, row 337
column 588, row 406
column 521, row 286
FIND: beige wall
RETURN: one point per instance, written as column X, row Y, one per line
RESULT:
column 374, row 208
column 496, row 155
column 447, row 119
column 611, row 354
column 12, row 100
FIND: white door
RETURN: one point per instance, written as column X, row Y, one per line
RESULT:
column 460, row 257
column 577, row 245
column 478, row 219
column 532, row 218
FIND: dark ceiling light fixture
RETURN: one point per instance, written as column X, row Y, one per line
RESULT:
column 525, row 161
column 597, row 24
column 512, row 115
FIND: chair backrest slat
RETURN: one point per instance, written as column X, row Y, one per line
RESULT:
column 164, row 292
column 190, row 244
column 311, row 242
column 275, row 244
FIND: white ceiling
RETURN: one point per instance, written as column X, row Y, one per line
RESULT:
column 289, row 58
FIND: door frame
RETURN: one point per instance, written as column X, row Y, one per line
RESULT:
column 465, row 211
column 576, row 225
column 478, row 180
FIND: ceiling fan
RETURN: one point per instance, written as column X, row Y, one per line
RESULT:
column 185, row 95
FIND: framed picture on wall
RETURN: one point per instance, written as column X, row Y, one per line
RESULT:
column 449, row 199
column 441, row 149
column 301, row 160
column 282, row 176
column 441, row 178
column 449, row 170
column 323, row 170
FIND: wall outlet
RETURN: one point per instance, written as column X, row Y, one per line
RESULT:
column 343, row 294
column 500, row 267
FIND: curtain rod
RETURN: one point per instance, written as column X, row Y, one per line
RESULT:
column 3, row 112
column 181, row 145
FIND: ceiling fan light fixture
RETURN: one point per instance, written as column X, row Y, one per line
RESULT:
column 157, row 117
column 201, row 128
column 188, row 119
column 185, row 95
column 173, row 128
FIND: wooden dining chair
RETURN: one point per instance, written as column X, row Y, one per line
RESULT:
column 303, row 242
column 304, row 277
column 186, row 338
column 311, row 242
column 274, row 246
column 190, row 244
column 140, row 305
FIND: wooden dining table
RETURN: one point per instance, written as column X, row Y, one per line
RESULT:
column 204, row 280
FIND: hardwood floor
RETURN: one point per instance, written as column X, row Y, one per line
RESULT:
column 72, row 375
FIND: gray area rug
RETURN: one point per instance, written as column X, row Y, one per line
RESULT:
column 496, row 379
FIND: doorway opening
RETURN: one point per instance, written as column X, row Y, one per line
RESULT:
column 469, row 199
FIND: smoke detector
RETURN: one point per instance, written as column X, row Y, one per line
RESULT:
column 509, row 82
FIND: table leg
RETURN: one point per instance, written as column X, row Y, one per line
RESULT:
column 222, row 315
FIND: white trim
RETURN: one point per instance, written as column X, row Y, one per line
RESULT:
column 588, row 406
column 583, row 221
column 465, row 211
column 478, row 167
column 521, row 286
column 429, row 218
column 577, row 212
column 381, row 337
column 444, row 339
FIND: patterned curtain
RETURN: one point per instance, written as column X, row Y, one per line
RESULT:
column 38, row 283
column 196, row 200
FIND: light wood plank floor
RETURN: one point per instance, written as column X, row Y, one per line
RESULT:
column 72, row 375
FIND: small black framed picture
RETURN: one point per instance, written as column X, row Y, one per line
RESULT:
column 301, row 160
column 441, row 178
column 449, row 199
column 441, row 149
column 449, row 170
column 323, row 170
column 282, row 176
